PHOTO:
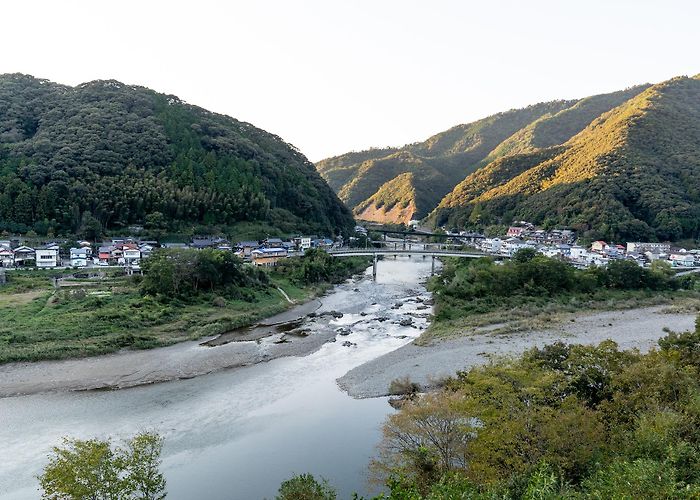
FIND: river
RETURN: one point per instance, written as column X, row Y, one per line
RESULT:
column 237, row 434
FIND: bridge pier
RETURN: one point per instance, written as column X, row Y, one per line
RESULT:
column 432, row 266
column 374, row 268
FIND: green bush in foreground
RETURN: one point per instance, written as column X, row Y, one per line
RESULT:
column 94, row 469
column 305, row 487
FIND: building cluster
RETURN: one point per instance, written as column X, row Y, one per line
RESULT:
column 561, row 243
column 128, row 252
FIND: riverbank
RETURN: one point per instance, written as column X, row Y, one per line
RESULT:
column 45, row 315
column 430, row 361
column 383, row 311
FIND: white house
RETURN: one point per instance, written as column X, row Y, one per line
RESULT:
column 80, row 257
column 24, row 255
column 644, row 247
column 7, row 256
column 491, row 245
column 306, row 243
column 511, row 246
column 46, row 257
column 132, row 256
column 682, row 260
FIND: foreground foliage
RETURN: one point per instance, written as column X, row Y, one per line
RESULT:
column 563, row 421
column 305, row 487
column 94, row 469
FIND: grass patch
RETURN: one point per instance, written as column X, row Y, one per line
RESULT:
column 38, row 321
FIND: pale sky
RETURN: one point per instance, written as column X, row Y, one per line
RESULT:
column 331, row 76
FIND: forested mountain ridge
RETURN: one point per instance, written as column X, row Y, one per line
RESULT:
column 108, row 154
column 445, row 159
column 438, row 163
column 632, row 174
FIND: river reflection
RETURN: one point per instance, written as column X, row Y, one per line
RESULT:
column 237, row 434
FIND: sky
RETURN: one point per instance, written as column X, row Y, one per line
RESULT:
column 332, row 76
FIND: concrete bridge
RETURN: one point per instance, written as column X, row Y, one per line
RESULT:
column 425, row 252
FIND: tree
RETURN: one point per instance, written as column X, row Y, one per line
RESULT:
column 90, row 227
column 305, row 487
column 93, row 469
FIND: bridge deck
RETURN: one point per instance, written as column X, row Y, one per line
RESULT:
column 347, row 252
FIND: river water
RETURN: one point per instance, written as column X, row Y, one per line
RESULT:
column 238, row 434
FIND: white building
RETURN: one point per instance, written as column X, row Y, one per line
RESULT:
column 306, row 243
column 644, row 247
column 79, row 257
column 7, row 256
column 682, row 259
column 132, row 256
column 492, row 245
column 46, row 257
column 511, row 246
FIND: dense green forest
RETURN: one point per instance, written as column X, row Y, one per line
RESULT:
column 374, row 182
column 632, row 174
column 105, row 155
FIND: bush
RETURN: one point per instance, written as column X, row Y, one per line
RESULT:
column 305, row 487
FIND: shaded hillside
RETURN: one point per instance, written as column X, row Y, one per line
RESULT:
column 106, row 155
column 633, row 173
column 437, row 163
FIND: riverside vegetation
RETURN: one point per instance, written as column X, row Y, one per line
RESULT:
column 183, row 295
column 534, row 291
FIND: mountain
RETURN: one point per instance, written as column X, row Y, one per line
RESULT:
column 365, row 180
column 437, row 164
column 111, row 155
column 632, row 174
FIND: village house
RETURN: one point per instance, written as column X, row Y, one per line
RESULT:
column 24, row 256
column 598, row 246
column 211, row 242
column 47, row 256
column 511, row 246
column 131, row 255
column 244, row 249
column 491, row 245
column 146, row 248
column 7, row 256
column 516, row 232
column 80, row 257
column 322, row 243
column 268, row 256
column 682, row 260
column 105, row 255
column 640, row 247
